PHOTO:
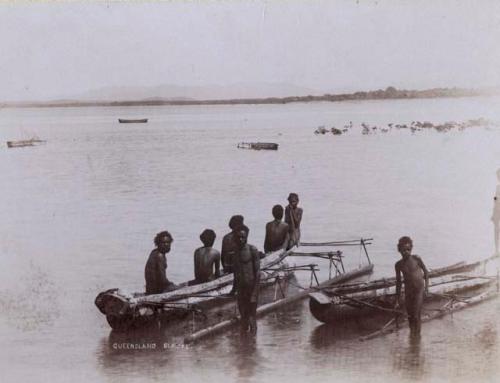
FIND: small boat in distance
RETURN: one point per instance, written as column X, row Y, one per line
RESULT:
column 258, row 145
column 19, row 144
column 132, row 121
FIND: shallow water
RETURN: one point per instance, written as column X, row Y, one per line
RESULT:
column 80, row 212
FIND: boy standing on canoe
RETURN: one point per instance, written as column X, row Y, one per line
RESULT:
column 246, row 265
column 416, row 282
column 205, row 258
column 293, row 217
column 156, row 266
column 276, row 232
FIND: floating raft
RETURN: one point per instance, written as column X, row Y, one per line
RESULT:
column 258, row 145
column 132, row 121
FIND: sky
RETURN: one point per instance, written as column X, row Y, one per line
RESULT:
column 53, row 50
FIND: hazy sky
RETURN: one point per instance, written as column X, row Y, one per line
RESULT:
column 51, row 50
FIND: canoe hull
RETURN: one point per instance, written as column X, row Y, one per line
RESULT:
column 177, row 311
column 124, row 310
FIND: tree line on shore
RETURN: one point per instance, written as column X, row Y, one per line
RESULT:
column 380, row 94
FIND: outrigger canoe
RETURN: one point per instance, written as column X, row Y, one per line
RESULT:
column 132, row 310
column 349, row 302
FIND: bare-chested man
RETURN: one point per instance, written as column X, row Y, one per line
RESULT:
column 293, row 217
column 229, row 244
column 416, row 282
column 156, row 266
column 277, row 235
column 246, row 280
column 205, row 258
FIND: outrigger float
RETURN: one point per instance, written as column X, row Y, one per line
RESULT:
column 451, row 288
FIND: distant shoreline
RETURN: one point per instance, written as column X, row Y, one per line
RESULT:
column 389, row 93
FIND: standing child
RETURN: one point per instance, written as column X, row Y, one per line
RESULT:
column 416, row 282
column 293, row 217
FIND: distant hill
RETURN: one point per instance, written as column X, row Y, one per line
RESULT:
column 185, row 93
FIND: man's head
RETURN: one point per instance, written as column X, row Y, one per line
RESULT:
column 405, row 245
column 208, row 237
column 278, row 212
column 235, row 221
column 241, row 235
column 163, row 241
column 293, row 199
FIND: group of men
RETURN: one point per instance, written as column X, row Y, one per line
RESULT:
column 243, row 259
column 236, row 256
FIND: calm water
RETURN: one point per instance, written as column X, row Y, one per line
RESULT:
column 79, row 215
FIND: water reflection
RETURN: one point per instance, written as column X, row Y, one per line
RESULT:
column 326, row 335
column 148, row 349
column 245, row 354
column 407, row 357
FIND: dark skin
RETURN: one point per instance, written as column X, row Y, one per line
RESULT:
column 293, row 217
column 164, row 244
column 156, row 279
column 241, row 242
column 412, row 267
column 276, row 231
column 246, row 281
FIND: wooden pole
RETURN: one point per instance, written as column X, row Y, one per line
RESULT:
column 269, row 307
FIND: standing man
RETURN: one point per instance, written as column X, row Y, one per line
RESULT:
column 277, row 235
column 293, row 217
column 205, row 258
column 246, row 280
column 416, row 282
column 229, row 244
column 156, row 266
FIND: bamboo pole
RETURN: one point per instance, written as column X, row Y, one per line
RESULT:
column 439, row 314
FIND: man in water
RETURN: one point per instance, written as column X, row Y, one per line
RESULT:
column 276, row 232
column 246, row 264
column 205, row 258
column 156, row 266
column 416, row 282
column 229, row 244
column 293, row 217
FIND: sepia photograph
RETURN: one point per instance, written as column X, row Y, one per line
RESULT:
column 249, row 191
